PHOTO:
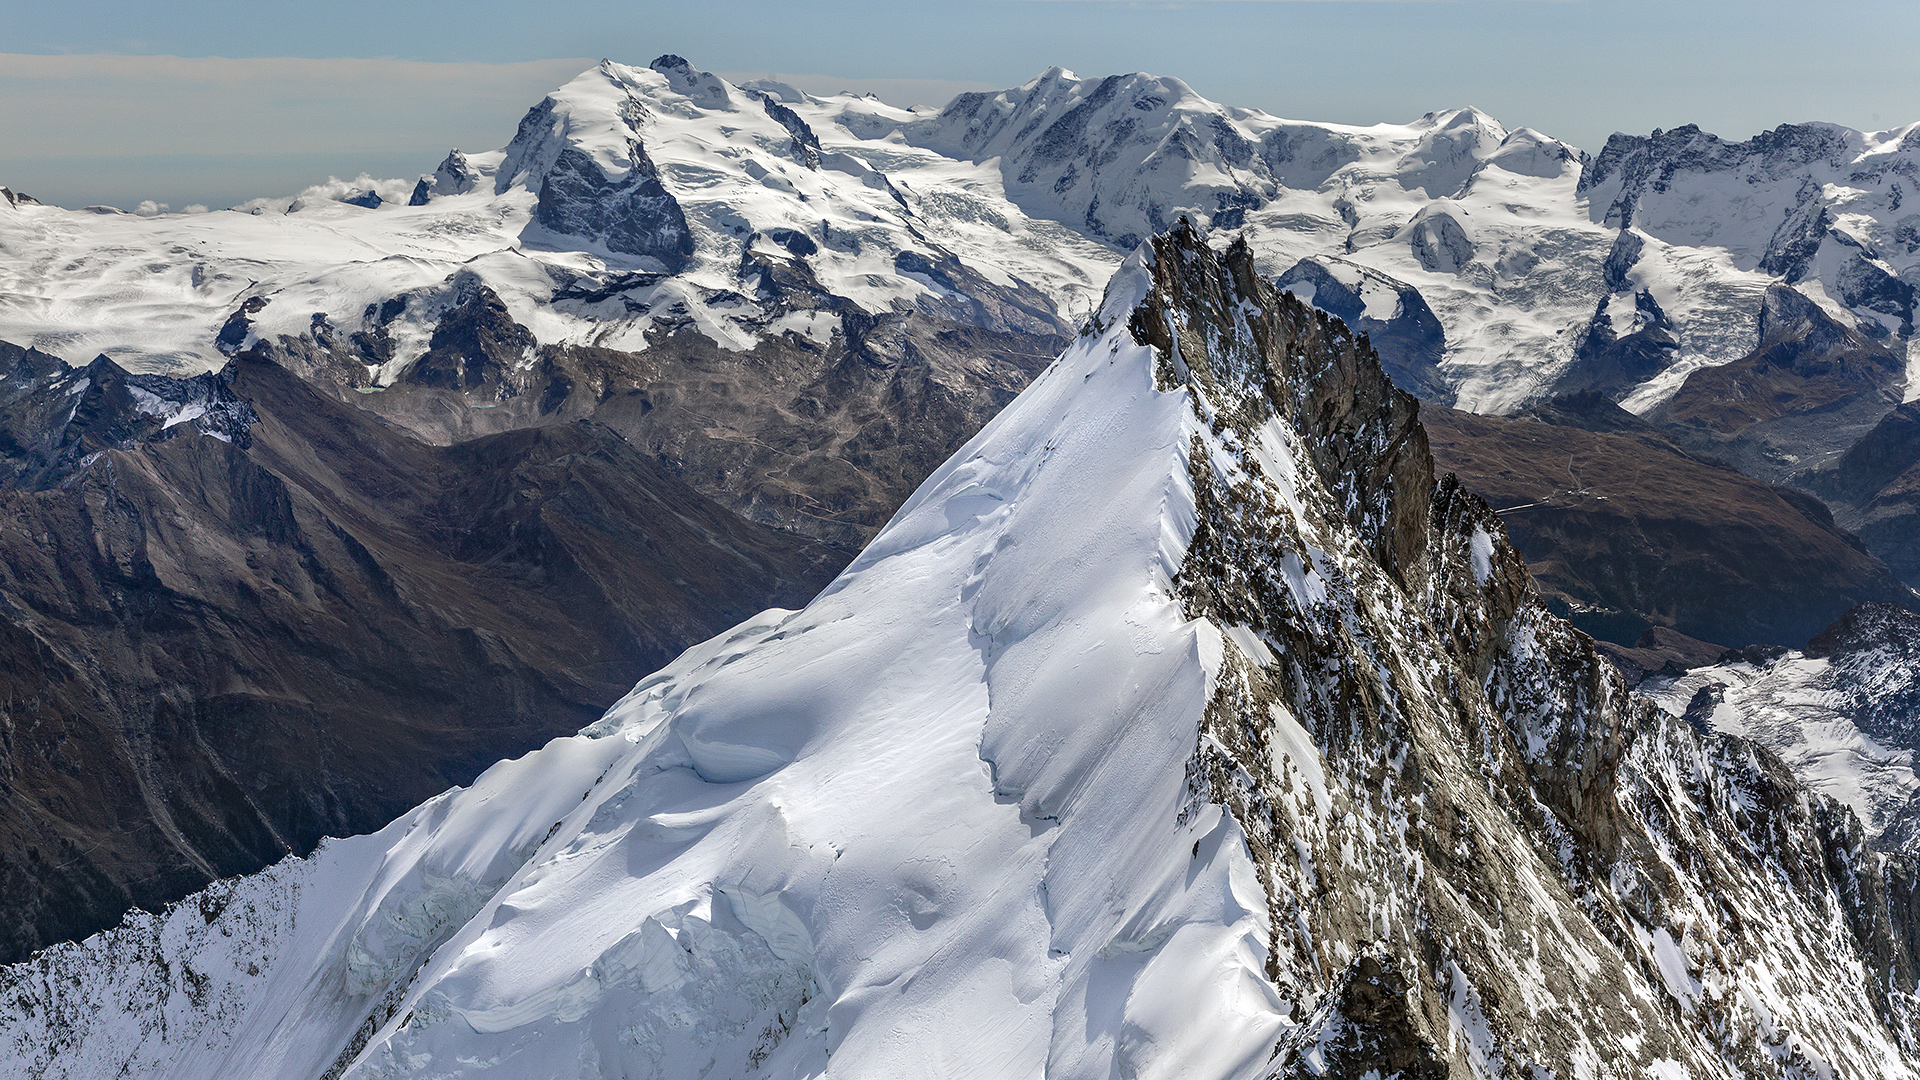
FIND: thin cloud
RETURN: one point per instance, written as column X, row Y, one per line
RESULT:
column 109, row 106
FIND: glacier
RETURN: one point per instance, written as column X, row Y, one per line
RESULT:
column 637, row 201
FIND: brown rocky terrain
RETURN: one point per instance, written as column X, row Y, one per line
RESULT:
column 1806, row 393
column 1626, row 532
column 824, row 440
column 262, row 618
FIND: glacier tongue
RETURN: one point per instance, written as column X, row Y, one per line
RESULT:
column 1179, row 726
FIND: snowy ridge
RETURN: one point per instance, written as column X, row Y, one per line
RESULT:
column 634, row 202
column 1796, row 707
column 1179, row 725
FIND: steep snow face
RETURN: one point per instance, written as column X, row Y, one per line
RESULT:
column 1180, row 725
column 1842, row 714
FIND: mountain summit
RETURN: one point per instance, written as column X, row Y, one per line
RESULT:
column 1181, row 724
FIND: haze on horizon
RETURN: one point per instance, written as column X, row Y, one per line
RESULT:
column 213, row 103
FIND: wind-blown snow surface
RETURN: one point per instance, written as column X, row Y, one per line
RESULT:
column 1178, row 726
column 636, row 200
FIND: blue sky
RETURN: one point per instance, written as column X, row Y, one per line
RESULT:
column 265, row 99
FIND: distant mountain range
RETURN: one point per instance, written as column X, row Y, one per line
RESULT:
column 364, row 493
column 1181, row 725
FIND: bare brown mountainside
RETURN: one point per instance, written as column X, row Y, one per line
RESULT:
column 824, row 440
column 1625, row 531
column 1808, row 391
column 220, row 646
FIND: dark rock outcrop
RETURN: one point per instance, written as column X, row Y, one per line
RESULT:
column 1616, row 363
column 632, row 215
column 1410, row 340
column 476, row 347
column 455, row 176
column 56, row 419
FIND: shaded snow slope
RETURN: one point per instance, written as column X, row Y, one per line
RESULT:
column 636, row 202
column 1180, row 725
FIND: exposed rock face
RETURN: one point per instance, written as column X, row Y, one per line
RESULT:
column 633, row 216
column 455, row 176
column 1372, row 796
column 228, row 633
column 1808, row 392
column 1613, row 784
column 1625, row 531
column 1630, row 339
column 477, row 350
column 55, row 419
column 1396, row 320
column 613, row 200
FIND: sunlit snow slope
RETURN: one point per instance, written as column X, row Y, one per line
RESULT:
column 1179, row 726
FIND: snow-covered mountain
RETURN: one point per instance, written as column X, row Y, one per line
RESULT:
column 1179, row 725
column 1844, row 713
column 634, row 202
column 629, row 200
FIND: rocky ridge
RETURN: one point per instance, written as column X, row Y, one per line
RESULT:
column 1839, row 711
column 1383, row 812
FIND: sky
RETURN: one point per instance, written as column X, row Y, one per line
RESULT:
column 210, row 103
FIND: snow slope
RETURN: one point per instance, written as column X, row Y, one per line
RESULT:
column 1796, row 707
column 636, row 200
column 550, row 224
column 1178, row 726
column 1842, row 714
